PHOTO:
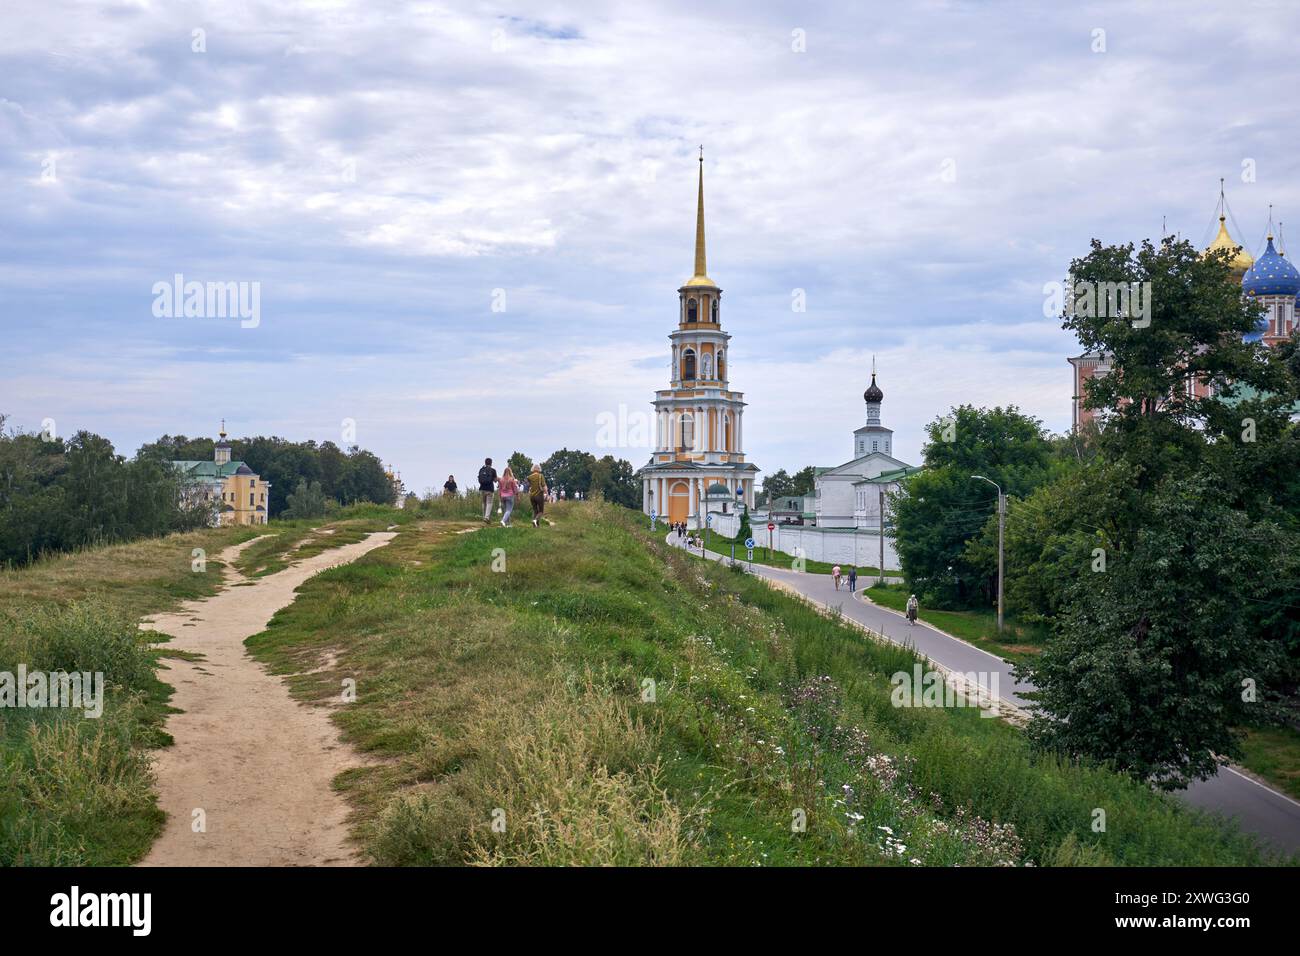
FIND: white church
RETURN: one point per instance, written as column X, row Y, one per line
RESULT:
column 850, row 495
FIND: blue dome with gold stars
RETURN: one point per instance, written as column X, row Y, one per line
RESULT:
column 1271, row 274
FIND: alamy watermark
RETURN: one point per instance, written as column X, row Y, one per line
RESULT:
column 208, row 300
column 934, row 688
column 78, row 690
column 1102, row 300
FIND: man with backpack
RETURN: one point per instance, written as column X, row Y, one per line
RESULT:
column 487, row 479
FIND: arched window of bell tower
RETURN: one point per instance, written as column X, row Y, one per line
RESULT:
column 688, row 364
column 692, row 310
column 686, row 432
column 715, row 311
column 722, row 369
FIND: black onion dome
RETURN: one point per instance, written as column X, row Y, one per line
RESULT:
column 873, row 394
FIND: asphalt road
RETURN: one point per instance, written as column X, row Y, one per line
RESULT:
column 1258, row 809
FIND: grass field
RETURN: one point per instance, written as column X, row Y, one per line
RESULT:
column 1274, row 754
column 602, row 698
column 77, row 790
column 573, row 694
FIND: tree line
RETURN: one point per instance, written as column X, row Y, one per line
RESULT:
column 61, row 494
column 294, row 470
column 1160, row 550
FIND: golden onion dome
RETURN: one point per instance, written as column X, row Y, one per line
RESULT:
column 1238, row 258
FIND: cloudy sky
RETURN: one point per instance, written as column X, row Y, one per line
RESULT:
column 387, row 172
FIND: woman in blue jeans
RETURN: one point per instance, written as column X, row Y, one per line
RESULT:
column 853, row 579
column 508, row 489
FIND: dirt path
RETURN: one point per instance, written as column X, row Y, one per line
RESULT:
column 255, row 761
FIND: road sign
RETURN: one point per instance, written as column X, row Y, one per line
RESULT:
column 771, row 527
column 750, row 550
column 749, row 543
column 709, row 520
column 653, row 514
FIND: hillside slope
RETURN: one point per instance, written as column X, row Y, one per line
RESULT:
column 584, row 694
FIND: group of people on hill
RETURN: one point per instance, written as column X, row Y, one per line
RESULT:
column 509, row 487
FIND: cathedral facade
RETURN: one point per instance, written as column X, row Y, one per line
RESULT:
column 699, row 440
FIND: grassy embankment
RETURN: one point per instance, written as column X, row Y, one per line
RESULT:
column 603, row 698
column 77, row 790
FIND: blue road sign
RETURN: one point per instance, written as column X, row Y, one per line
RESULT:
column 749, row 543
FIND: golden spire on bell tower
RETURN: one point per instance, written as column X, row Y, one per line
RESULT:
column 701, row 276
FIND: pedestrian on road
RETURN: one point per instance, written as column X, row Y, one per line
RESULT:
column 537, row 494
column 853, row 579
column 913, row 606
column 487, row 481
column 508, row 488
column 449, row 487
column 835, row 576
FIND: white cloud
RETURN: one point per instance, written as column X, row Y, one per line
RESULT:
column 381, row 168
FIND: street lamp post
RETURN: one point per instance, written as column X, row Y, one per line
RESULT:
column 1002, row 522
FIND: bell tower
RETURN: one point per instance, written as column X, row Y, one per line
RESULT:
column 699, row 418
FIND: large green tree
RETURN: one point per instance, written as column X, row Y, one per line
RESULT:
column 520, row 465
column 1193, row 506
column 942, row 507
column 1158, row 656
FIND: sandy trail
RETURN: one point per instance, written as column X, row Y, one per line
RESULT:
column 257, row 762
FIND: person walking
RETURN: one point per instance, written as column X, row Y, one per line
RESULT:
column 487, row 480
column 853, row 579
column 913, row 607
column 537, row 494
column 449, row 487
column 835, row 576
column 509, row 488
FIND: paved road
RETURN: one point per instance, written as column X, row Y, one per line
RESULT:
column 1274, row 817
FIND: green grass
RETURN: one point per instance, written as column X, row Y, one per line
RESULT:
column 1274, row 754
column 721, row 544
column 603, row 698
column 78, row 791
column 1017, row 642
column 288, row 542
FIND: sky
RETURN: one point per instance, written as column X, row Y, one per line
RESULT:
column 465, row 224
